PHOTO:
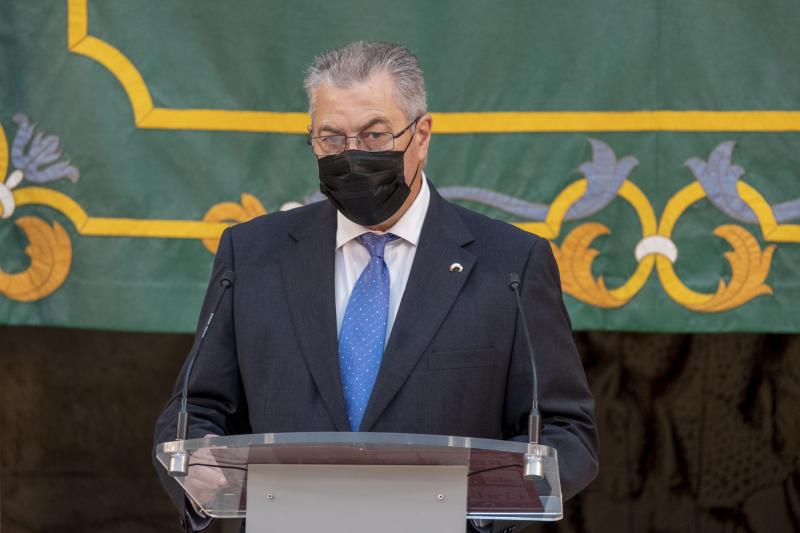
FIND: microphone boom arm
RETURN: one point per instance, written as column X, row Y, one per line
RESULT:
column 179, row 462
column 534, row 468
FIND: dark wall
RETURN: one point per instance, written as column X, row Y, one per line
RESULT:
column 698, row 432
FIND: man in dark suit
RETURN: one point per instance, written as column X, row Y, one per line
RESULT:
column 385, row 308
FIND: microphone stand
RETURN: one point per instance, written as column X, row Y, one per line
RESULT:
column 534, row 460
column 179, row 463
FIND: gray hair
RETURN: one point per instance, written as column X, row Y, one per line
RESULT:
column 359, row 61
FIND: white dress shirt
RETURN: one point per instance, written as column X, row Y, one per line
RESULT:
column 352, row 257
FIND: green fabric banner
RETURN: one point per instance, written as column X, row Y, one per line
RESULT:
column 655, row 144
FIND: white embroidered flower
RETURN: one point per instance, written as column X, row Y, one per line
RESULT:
column 6, row 196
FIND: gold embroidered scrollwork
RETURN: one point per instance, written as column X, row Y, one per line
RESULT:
column 575, row 257
column 750, row 264
column 50, row 253
column 50, row 250
column 3, row 153
column 248, row 208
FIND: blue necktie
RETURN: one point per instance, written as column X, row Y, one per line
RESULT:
column 363, row 333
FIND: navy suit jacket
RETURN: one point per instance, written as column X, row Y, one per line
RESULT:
column 455, row 362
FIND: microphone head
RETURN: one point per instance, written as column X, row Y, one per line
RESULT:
column 513, row 280
column 227, row 278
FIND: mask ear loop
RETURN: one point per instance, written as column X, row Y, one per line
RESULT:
column 416, row 172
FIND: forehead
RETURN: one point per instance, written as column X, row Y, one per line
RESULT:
column 349, row 108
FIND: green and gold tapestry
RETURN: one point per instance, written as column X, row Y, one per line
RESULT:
column 655, row 144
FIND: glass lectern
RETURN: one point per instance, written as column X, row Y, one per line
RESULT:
column 338, row 479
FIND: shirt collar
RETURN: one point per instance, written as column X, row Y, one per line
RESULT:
column 407, row 228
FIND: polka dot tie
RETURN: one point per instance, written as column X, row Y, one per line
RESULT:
column 363, row 333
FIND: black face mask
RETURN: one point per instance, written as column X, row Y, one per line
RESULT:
column 366, row 187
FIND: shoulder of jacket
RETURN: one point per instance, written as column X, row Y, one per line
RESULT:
column 276, row 223
column 484, row 226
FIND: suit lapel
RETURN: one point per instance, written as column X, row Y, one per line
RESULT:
column 429, row 294
column 308, row 277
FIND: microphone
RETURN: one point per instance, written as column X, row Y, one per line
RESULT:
column 179, row 463
column 534, row 460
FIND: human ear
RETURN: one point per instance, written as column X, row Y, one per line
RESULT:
column 422, row 135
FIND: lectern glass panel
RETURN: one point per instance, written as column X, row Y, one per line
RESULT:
column 497, row 488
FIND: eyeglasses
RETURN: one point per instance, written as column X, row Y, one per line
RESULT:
column 371, row 141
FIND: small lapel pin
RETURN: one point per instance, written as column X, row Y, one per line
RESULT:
column 456, row 267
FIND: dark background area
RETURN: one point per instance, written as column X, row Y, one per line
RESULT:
column 698, row 432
